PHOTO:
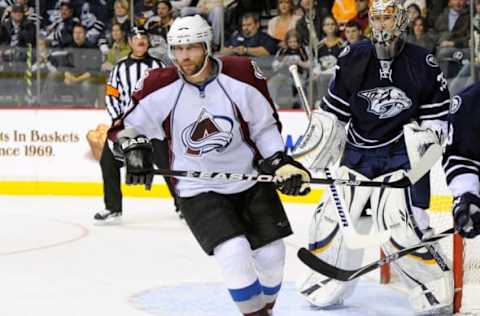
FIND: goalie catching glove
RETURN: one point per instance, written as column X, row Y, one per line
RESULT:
column 293, row 178
column 138, row 153
column 466, row 215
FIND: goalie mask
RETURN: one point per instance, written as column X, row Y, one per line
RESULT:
column 190, row 30
column 389, row 20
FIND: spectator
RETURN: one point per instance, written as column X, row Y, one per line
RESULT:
column 421, row 4
column 91, row 17
column 310, row 24
column 476, row 31
column 323, row 7
column 60, row 33
column 353, row 33
column 178, row 5
column 283, row 22
column 118, row 49
column 144, row 10
column 121, row 15
column 413, row 12
column 343, row 11
column 292, row 54
column 453, row 25
column 47, row 65
column 212, row 10
column 84, row 61
column 17, row 30
column 362, row 16
column 434, row 9
column 28, row 11
column 419, row 35
column 330, row 46
column 250, row 41
column 157, row 27
column 161, row 22
column 327, row 53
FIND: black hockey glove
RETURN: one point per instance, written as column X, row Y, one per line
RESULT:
column 294, row 178
column 466, row 215
column 138, row 153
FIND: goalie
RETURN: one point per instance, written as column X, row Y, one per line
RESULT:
column 395, row 100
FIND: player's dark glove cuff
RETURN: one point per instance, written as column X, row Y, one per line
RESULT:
column 138, row 153
column 466, row 215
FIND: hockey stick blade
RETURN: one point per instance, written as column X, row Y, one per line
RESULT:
column 320, row 266
column 230, row 176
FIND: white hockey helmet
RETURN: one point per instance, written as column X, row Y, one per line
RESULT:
column 384, row 39
column 189, row 30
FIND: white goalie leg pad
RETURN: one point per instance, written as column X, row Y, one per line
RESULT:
column 326, row 241
column 323, row 142
column 426, row 273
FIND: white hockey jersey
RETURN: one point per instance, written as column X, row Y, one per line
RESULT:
column 223, row 125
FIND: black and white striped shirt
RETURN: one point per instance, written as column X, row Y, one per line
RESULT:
column 122, row 81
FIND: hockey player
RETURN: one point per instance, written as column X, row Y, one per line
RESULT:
column 217, row 115
column 461, row 161
column 380, row 86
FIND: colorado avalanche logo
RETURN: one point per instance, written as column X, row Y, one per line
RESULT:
column 208, row 133
column 386, row 102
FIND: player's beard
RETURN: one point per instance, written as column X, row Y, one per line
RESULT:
column 192, row 68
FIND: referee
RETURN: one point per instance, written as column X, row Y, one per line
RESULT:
column 121, row 83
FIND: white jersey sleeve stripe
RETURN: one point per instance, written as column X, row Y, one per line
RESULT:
column 453, row 157
column 335, row 108
column 330, row 93
column 450, row 170
column 434, row 105
column 432, row 116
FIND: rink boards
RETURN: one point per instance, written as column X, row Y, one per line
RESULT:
column 45, row 152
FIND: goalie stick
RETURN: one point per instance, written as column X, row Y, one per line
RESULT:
column 320, row 266
column 230, row 176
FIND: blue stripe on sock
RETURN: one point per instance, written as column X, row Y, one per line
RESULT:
column 246, row 293
column 271, row 290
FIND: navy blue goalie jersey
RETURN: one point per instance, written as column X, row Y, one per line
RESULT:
column 377, row 97
column 461, row 160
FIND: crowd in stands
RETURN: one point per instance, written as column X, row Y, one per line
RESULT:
column 79, row 41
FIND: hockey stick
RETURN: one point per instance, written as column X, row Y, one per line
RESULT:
column 229, row 176
column 318, row 265
column 352, row 238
